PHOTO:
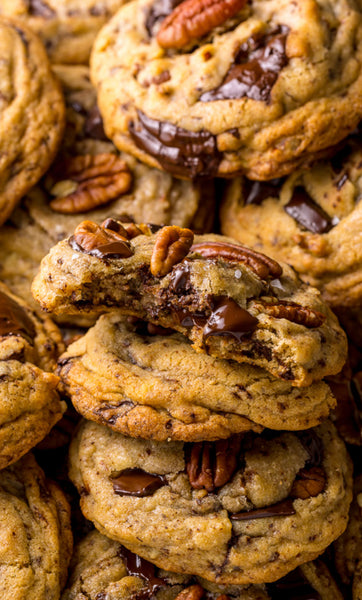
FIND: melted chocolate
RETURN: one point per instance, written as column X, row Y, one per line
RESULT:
column 180, row 278
column 179, row 151
column 139, row 567
column 14, row 319
column 158, row 12
column 37, row 8
column 188, row 319
column 136, row 482
column 228, row 318
column 255, row 192
column 255, row 69
column 93, row 126
column 280, row 509
column 294, row 586
column 104, row 251
column 307, row 213
column 313, row 445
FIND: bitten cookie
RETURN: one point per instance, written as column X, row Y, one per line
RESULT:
column 36, row 539
column 217, row 87
column 103, row 568
column 31, row 113
column 147, row 382
column 244, row 510
column 231, row 301
column 29, row 402
column 312, row 220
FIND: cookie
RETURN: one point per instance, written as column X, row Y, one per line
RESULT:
column 244, row 510
column 29, row 402
column 143, row 383
column 36, row 540
column 103, row 568
column 67, row 27
column 225, row 88
column 31, row 113
column 232, row 302
column 312, row 220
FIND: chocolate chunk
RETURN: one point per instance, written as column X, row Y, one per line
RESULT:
column 280, row 509
column 313, row 445
column 104, row 251
column 255, row 69
column 179, row 151
column 180, row 278
column 136, row 482
column 188, row 319
column 93, row 126
column 157, row 13
column 294, row 586
column 255, row 192
column 37, row 8
column 14, row 319
column 228, row 318
column 307, row 213
column 139, row 567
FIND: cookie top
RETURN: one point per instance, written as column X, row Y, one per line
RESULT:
column 147, row 382
column 232, row 302
column 256, row 87
column 29, row 402
column 101, row 567
column 312, row 220
column 67, row 27
column 244, row 510
column 36, row 540
column 31, row 113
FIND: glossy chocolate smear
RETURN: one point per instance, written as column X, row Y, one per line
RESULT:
column 93, row 126
column 294, row 586
column 139, row 567
column 255, row 192
column 180, row 152
column 307, row 213
column 255, row 70
column 180, row 278
column 228, row 318
column 117, row 249
column 14, row 319
column 189, row 319
column 157, row 13
column 136, row 482
column 37, row 8
column 280, row 509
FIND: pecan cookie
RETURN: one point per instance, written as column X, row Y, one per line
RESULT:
column 67, row 27
column 215, row 87
column 31, row 113
column 103, row 568
column 232, row 302
column 312, row 220
column 29, row 402
column 244, row 510
column 146, row 382
column 36, row 539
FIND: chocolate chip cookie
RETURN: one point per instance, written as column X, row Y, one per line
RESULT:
column 36, row 540
column 220, row 88
column 231, row 301
column 147, row 382
column 67, row 27
column 244, row 510
column 29, row 402
column 31, row 113
column 312, row 220
column 103, row 568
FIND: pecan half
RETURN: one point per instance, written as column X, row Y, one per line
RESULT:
column 309, row 483
column 262, row 265
column 280, row 309
column 210, row 465
column 90, row 181
column 193, row 19
column 104, row 243
column 172, row 245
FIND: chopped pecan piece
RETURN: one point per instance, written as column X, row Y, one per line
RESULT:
column 309, row 483
column 172, row 245
column 212, row 464
column 193, row 19
column 280, row 309
column 90, row 181
column 193, row 592
column 104, row 243
column 261, row 264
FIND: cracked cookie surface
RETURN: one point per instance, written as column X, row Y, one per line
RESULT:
column 156, row 386
column 241, row 519
column 260, row 92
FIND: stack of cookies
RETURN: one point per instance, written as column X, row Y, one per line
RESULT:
column 188, row 174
